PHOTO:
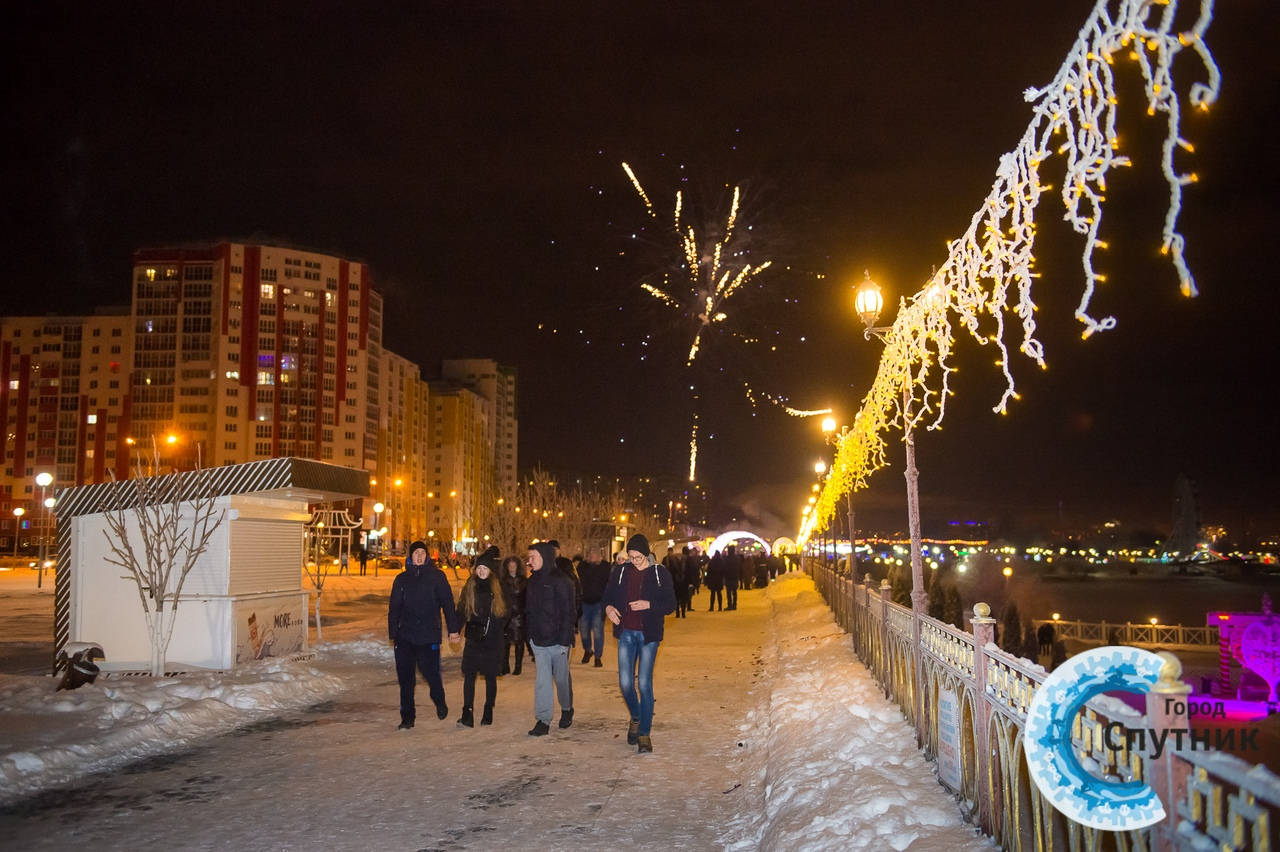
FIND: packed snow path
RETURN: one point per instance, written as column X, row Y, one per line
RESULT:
column 768, row 734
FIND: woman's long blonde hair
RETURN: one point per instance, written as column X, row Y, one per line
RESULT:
column 495, row 586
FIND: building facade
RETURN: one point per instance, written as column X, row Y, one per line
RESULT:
column 65, row 394
column 496, row 384
column 233, row 353
column 244, row 352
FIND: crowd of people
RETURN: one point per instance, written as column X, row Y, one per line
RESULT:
column 543, row 603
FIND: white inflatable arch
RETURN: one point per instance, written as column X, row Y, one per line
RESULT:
column 730, row 537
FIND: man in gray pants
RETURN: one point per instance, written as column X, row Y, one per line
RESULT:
column 550, row 616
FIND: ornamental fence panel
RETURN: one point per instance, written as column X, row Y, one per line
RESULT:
column 1215, row 801
column 1164, row 636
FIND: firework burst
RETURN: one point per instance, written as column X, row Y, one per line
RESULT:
column 715, row 273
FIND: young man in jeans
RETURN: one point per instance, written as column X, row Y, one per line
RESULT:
column 639, row 597
column 593, row 574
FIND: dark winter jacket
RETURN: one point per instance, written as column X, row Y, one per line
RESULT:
column 593, row 576
column 514, row 587
column 550, row 603
column 418, row 596
column 716, row 570
column 655, row 587
column 483, row 632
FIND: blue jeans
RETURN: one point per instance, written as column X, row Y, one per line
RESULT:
column 592, row 628
column 635, row 675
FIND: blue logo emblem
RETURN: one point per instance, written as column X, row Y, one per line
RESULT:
column 1051, row 760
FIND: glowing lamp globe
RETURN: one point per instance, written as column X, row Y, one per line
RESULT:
column 829, row 424
column 867, row 300
column 44, row 480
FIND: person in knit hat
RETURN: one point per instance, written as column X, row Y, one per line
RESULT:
column 419, row 595
column 639, row 597
column 484, row 610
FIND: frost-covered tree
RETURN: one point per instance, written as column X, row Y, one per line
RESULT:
column 157, row 528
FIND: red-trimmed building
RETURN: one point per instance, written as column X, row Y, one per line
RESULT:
column 65, row 395
column 245, row 352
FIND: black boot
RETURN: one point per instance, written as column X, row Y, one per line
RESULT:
column 541, row 729
column 586, row 656
column 487, row 718
column 566, row 718
column 516, row 670
column 467, row 719
column 598, row 663
column 633, row 732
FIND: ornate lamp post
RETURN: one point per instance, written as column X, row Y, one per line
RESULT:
column 869, row 302
column 377, row 524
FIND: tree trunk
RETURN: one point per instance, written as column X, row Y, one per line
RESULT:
column 157, row 645
column 319, row 634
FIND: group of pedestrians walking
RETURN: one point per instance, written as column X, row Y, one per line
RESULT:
column 502, row 609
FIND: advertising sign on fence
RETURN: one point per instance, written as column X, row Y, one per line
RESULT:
column 949, row 739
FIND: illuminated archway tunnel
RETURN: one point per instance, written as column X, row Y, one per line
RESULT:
column 725, row 539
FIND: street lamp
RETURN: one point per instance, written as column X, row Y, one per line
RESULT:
column 18, row 512
column 820, row 468
column 44, row 479
column 869, row 302
column 377, row 523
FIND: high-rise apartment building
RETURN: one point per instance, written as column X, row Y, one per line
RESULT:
column 65, row 385
column 497, row 384
column 244, row 352
column 401, row 476
column 234, row 352
column 461, row 473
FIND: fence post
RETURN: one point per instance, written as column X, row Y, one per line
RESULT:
column 984, row 632
column 886, row 659
column 1166, row 774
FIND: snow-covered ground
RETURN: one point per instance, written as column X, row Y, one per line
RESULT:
column 768, row 734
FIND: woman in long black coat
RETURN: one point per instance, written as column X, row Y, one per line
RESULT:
column 513, row 582
column 484, row 610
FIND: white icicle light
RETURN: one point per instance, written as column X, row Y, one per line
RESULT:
column 1073, row 116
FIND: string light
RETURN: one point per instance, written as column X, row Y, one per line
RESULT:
column 781, row 403
column 1074, row 116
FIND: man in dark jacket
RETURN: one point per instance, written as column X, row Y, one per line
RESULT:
column 732, row 576
column 550, row 616
column 418, row 596
column 593, row 574
column 639, row 597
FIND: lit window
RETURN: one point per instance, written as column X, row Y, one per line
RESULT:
column 93, row 418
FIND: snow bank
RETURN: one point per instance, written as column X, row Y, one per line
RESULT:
column 838, row 764
column 50, row 737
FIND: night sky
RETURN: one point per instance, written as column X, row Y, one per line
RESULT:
column 471, row 153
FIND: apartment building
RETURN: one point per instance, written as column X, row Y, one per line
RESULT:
column 496, row 384
column 65, row 385
column 235, row 352
column 244, row 352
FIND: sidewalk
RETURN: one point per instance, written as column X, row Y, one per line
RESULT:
column 768, row 735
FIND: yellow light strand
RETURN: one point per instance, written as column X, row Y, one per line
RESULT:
column 987, row 275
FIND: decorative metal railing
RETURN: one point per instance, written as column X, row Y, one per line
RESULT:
column 1215, row 801
column 1166, row 636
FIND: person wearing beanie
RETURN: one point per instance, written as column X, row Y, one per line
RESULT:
column 419, row 595
column 639, row 597
column 550, row 618
column 484, row 610
column 593, row 574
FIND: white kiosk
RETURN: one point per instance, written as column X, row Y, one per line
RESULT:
column 244, row 599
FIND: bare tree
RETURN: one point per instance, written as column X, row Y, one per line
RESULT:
column 157, row 528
